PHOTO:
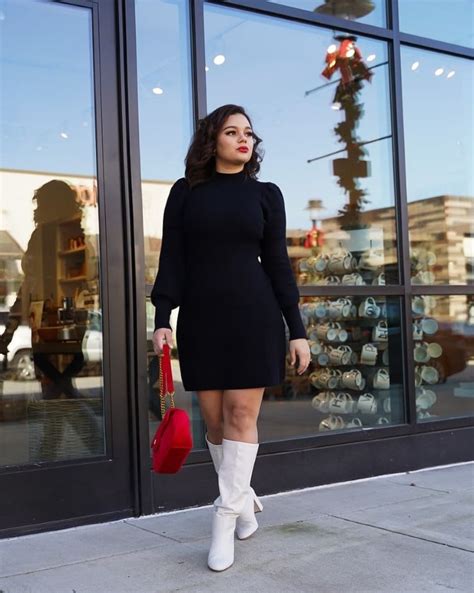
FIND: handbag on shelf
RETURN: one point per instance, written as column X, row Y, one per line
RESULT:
column 173, row 440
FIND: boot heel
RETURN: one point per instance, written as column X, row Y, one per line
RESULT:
column 246, row 524
column 257, row 505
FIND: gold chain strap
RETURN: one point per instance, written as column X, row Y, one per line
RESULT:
column 163, row 395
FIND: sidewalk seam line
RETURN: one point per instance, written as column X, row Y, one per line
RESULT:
column 425, row 539
column 177, row 541
column 67, row 564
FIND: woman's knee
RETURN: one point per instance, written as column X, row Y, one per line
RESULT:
column 239, row 415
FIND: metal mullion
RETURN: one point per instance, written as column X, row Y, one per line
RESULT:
column 198, row 59
column 447, row 423
column 305, row 16
column 401, row 207
column 338, row 290
column 100, row 157
column 318, row 440
column 330, row 439
column 84, row 3
column 390, row 9
column 435, row 45
column 135, row 253
column 442, row 289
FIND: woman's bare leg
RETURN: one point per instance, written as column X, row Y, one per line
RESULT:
column 241, row 408
column 210, row 402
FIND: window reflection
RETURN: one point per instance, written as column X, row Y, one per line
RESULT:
column 443, row 333
column 51, row 387
column 446, row 21
column 166, row 124
column 437, row 104
column 327, row 137
column 354, row 380
column 328, row 144
column 371, row 12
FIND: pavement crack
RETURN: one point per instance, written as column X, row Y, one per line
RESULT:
column 154, row 533
column 413, row 485
column 419, row 537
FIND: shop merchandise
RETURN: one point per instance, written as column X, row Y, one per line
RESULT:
column 426, row 351
column 344, row 267
column 422, row 266
column 352, row 378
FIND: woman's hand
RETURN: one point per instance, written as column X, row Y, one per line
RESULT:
column 159, row 336
column 300, row 348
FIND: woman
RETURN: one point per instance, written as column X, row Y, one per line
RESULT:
column 218, row 220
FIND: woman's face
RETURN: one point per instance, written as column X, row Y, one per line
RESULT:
column 235, row 143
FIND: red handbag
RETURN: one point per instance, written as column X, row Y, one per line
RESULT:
column 173, row 440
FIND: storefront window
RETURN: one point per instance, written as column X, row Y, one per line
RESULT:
column 438, row 99
column 443, row 333
column 327, row 145
column 355, row 378
column 166, row 126
column 371, row 12
column 51, row 384
column 446, row 21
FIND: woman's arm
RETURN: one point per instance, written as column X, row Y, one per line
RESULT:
column 276, row 262
column 167, row 290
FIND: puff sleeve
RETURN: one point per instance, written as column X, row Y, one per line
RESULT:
column 167, row 292
column 275, row 260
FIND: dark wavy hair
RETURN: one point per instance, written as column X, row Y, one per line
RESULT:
column 200, row 159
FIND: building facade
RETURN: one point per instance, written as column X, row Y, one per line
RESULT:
column 366, row 113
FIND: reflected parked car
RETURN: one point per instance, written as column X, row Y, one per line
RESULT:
column 20, row 354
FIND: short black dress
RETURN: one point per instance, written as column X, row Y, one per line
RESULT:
column 225, row 263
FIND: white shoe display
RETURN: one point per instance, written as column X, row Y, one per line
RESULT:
column 235, row 471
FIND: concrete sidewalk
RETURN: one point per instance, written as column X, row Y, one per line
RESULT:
column 404, row 533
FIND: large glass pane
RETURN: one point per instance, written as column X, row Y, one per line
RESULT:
column 438, row 100
column 327, row 144
column 354, row 380
column 51, row 387
column 371, row 12
column 447, row 21
column 443, row 330
column 166, row 125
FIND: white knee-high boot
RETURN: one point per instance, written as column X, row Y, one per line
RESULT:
column 246, row 522
column 238, row 459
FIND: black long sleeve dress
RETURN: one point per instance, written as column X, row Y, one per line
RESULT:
column 230, row 330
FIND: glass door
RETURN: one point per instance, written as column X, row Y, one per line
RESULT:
column 64, row 449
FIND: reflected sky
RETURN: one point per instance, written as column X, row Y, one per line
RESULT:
column 47, row 109
column 376, row 16
column 451, row 21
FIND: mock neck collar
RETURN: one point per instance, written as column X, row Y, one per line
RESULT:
column 230, row 176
